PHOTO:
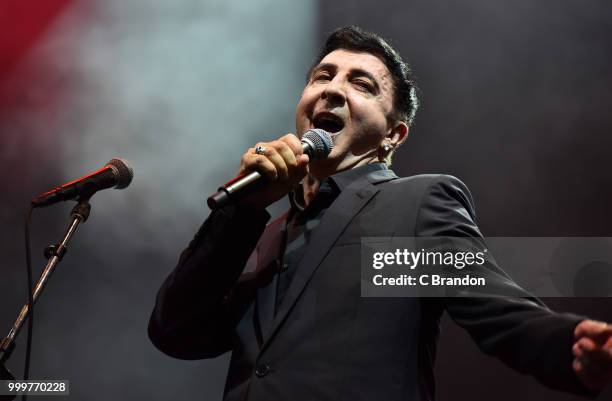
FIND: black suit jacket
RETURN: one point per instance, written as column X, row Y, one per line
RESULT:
column 326, row 342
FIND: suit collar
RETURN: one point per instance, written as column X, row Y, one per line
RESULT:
column 345, row 178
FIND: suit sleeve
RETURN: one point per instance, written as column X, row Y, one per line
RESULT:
column 520, row 330
column 192, row 318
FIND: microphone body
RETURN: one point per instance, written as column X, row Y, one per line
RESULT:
column 316, row 143
column 116, row 173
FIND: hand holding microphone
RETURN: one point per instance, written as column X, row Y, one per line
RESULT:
column 270, row 170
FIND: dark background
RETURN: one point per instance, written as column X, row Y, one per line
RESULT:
column 516, row 100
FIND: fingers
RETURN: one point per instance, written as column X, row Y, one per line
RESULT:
column 255, row 162
column 587, row 348
column 592, row 375
column 582, row 346
column 282, row 159
column 286, row 159
column 302, row 158
column 290, row 148
column 293, row 142
column 593, row 354
column 600, row 332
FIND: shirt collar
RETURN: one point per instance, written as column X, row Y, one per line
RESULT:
column 335, row 183
column 344, row 178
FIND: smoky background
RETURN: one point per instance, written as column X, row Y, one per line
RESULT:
column 515, row 102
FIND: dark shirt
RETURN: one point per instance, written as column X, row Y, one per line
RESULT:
column 303, row 221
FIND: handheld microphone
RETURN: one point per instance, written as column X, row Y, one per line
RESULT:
column 117, row 173
column 316, row 143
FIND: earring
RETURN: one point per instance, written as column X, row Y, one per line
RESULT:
column 386, row 147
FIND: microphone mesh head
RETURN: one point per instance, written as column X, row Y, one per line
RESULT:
column 124, row 171
column 321, row 141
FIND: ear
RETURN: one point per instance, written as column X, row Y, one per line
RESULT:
column 398, row 133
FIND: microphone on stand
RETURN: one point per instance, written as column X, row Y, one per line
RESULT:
column 316, row 143
column 117, row 173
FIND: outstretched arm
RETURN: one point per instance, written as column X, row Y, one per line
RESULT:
column 519, row 330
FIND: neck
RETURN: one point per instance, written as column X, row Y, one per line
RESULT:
column 319, row 171
column 310, row 188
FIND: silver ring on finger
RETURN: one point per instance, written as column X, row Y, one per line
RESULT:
column 260, row 150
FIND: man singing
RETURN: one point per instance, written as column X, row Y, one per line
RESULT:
column 285, row 296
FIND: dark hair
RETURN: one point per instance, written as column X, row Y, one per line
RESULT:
column 353, row 38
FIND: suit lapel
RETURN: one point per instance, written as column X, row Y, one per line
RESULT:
column 260, row 275
column 348, row 204
column 267, row 262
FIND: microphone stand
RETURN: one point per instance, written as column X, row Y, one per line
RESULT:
column 54, row 254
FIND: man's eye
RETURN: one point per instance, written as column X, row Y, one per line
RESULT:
column 364, row 85
column 322, row 77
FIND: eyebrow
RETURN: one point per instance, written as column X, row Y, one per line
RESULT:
column 355, row 72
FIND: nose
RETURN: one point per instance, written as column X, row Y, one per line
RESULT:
column 334, row 92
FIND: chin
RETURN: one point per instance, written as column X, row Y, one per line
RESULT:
column 324, row 167
column 335, row 136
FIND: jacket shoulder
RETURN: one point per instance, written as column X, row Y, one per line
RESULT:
column 427, row 180
column 433, row 188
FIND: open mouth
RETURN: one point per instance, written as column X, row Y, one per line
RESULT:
column 328, row 122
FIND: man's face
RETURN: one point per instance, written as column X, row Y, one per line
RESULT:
column 349, row 95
